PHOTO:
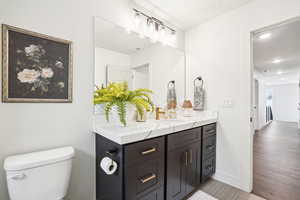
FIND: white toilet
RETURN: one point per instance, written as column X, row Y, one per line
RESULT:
column 41, row 175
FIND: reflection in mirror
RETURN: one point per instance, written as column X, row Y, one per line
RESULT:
column 121, row 56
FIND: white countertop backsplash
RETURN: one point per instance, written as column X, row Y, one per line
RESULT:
column 138, row 131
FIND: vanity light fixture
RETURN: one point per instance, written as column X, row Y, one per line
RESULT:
column 276, row 61
column 265, row 36
column 153, row 28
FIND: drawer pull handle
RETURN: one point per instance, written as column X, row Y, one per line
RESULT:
column 210, row 147
column 145, row 180
column 211, row 131
column 149, row 151
column 208, row 167
column 191, row 157
column 186, row 158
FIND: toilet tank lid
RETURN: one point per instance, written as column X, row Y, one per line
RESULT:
column 37, row 159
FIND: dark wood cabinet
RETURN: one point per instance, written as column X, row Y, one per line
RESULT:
column 194, row 168
column 176, row 174
column 144, row 169
column 208, row 160
column 140, row 174
column 183, row 164
column 108, row 187
column 163, row 168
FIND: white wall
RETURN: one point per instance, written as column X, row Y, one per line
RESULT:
column 166, row 64
column 31, row 127
column 220, row 50
column 285, row 102
column 104, row 57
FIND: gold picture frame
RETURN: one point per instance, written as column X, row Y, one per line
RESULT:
column 33, row 70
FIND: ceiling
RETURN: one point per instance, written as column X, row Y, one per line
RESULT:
column 187, row 14
column 284, row 45
column 115, row 38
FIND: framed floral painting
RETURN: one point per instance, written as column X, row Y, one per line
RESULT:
column 36, row 67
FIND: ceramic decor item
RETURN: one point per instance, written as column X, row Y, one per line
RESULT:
column 199, row 94
column 187, row 108
column 171, row 95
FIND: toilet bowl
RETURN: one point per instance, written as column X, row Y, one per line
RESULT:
column 41, row 175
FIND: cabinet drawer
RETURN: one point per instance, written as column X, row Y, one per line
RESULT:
column 208, row 168
column 209, row 130
column 154, row 195
column 208, row 147
column 183, row 138
column 145, row 150
column 143, row 178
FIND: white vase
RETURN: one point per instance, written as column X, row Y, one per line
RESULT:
column 114, row 117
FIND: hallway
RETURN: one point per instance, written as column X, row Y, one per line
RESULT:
column 277, row 162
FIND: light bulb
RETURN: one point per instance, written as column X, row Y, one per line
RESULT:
column 154, row 37
column 151, row 27
column 173, row 37
column 142, row 30
column 137, row 20
column 162, row 33
column 152, row 33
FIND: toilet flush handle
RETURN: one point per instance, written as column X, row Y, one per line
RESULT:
column 18, row 176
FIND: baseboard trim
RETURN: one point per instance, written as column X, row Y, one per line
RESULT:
column 228, row 179
column 264, row 126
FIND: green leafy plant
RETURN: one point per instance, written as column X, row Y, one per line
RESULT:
column 117, row 94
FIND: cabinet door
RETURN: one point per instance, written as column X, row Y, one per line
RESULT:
column 193, row 167
column 177, row 160
column 208, row 168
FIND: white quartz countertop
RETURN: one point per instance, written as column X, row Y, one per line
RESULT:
column 138, row 131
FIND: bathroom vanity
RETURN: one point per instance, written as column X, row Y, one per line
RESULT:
column 157, row 160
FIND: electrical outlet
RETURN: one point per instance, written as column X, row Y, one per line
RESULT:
column 228, row 103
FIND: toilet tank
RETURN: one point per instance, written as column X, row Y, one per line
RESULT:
column 41, row 175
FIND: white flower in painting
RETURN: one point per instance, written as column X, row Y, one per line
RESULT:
column 34, row 52
column 61, row 84
column 28, row 76
column 59, row 64
column 31, row 50
column 47, row 73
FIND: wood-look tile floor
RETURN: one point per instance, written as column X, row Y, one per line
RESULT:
column 222, row 191
column 277, row 162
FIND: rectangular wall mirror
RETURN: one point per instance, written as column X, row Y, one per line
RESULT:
column 138, row 61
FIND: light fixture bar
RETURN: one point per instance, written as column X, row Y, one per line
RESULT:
column 154, row 19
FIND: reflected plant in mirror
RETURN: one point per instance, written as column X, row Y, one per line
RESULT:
column 119, row 96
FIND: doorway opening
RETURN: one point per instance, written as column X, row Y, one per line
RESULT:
column 275, row 86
